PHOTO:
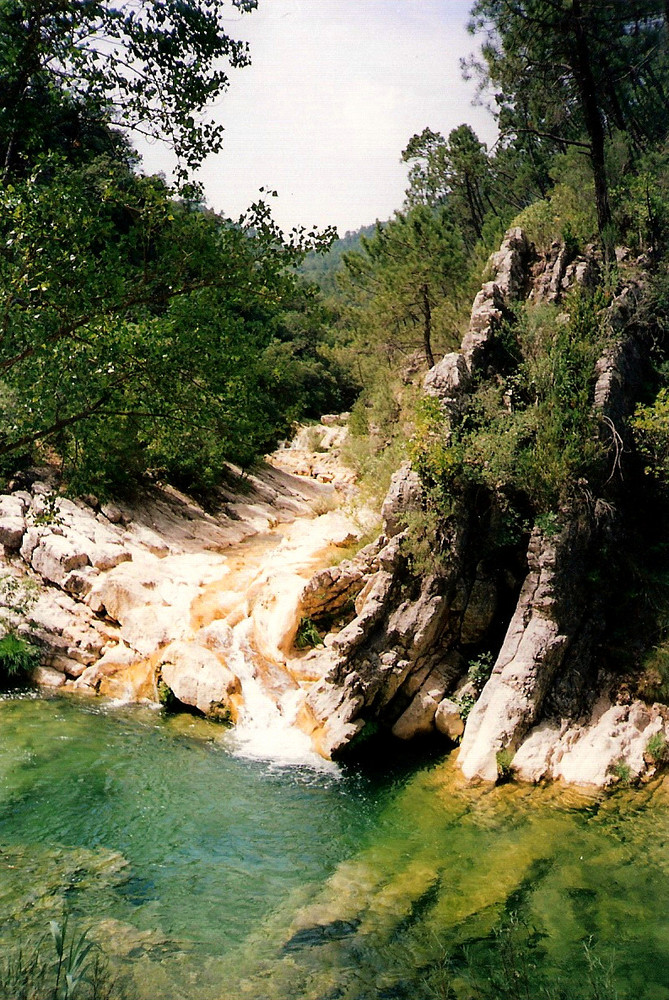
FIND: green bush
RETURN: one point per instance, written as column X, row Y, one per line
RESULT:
column 530, row 437
column 307, row 634
column 18, row 658
column 465, row 704
column 622, row 771
column 480, row 669
column 166, row 696
column 653, row 683
column 657, row 748
column 504, row 760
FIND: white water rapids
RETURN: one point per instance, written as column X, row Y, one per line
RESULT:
column 265, row 729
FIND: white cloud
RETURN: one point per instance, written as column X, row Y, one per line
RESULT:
column 335, row 91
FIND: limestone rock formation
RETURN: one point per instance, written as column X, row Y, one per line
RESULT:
column 198, row 677
column 402, row 660
column 539, row 635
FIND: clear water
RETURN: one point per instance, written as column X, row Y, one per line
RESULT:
column 210, row 876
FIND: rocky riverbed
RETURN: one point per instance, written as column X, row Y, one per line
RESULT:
column 161, row 599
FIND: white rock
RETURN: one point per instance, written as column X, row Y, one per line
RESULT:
column 448, row 720
column 198, row 678
column 12, row 530
column 48, row 677
column 55, row 557
column 418, row 719
column 105, row 557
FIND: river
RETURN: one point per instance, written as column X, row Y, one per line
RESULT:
column 209, row 874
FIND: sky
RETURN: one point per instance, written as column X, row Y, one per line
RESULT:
column 335, row 91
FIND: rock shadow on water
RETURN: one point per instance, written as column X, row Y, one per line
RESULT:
column 518, row 901
column 137, row 890
column 420, row 907
column 317, row 934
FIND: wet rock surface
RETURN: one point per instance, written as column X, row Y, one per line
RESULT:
column 133, row 601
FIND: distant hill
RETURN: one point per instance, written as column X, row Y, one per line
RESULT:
column 321, row 268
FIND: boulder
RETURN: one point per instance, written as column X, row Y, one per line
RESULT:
column 511, row 263
column 12, row 521
column 79, row 582
column 448, row 381
column 108, row 555
column 55, row 556
column 48, row 677
column 609, row 747
column 418, row 718
column 404, row 495
column 487, row 316
column 12, row 530
column 448, row 720
column 198, row 678
column 113, row 513
column 118, row 594
column 534, row 647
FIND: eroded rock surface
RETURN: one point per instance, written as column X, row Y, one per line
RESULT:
column 402, row 660
column 124, row 600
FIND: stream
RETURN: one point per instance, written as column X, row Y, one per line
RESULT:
column 207, row 872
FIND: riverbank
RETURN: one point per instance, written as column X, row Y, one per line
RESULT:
column 162, row 600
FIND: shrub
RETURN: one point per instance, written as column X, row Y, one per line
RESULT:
column 307, row 634
column 480, row 669
column 622, row 771
column 504, row 764
column 166, row 696
column 657, row 748
column 465, row 704
column 18, row 658
column 653, row 684
column 529, row 438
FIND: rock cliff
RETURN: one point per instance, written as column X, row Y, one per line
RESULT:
column 548, row 708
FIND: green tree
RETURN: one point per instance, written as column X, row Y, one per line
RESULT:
column 71, row 68
column 569, row 71
column 405, row 271
column 454, row 171
column 121, row 306
column 136, row 324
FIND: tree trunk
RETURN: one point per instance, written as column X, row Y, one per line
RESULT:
column 427, row 326
column 472, row 208
column 587, row 89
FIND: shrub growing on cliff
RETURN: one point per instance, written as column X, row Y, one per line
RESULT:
column 527, row 435
column 657, row 748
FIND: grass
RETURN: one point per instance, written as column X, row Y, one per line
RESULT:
column 65, row 965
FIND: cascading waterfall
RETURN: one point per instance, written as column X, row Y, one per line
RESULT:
column 265, row 729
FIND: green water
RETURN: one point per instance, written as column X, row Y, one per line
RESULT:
column 205, row 875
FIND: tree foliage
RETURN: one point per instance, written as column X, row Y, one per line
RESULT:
column 405, row 272
column 74, row 67
column 140, row 331
column 572, row 71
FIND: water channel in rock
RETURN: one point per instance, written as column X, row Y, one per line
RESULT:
column 208, row 872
